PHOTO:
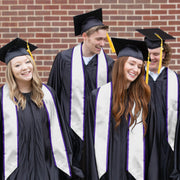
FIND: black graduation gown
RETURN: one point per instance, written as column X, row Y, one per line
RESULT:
column 117, row 150
column 176, row 171
column 60, row 78
column 35, row 157
column 159, row 92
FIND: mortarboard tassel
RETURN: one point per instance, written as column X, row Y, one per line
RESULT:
column 110, row 43
column 28, row 50
column 160, row 61
column 147, row 70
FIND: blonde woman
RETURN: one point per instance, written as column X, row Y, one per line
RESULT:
column 35, row 144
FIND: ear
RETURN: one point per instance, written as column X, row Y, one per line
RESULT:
column 84, row 35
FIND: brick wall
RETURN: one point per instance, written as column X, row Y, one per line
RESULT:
column 49, row 24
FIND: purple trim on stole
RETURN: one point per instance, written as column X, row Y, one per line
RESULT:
column 128, row 143
column 3, row 134
column 178, row 97
column 109, row 130
column 97, row 68
column 95, row 115
column 84, row 89
column 59, row 127
column 70, row 90
column 167, row 107
column 144, row 150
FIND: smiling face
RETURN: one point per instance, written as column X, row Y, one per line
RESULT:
column 22, row 69
column 132, row 69
column 93, row 43
column 155, row 58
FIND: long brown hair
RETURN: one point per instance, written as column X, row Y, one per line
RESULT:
column 123, row 99
column 36, row 83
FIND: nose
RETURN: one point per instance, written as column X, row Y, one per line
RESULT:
column 102, row 43
column 151, row 56
column 24, row 66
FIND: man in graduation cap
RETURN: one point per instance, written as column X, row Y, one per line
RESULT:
column 165, row 93
column 34, row 138
column 79, row 70
column 120, row 138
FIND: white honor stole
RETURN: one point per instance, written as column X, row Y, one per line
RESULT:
column 10, row 122
column 135, row 149
column 77, row 99
column 172, row 105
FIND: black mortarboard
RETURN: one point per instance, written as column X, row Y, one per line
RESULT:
column 151, row 39
column 16, row 47
column 83, row 22
column 133, row 48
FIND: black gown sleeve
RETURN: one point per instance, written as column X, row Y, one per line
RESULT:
column 89, row 160
column 1, row 138
column 152, row 145
column 54, row 79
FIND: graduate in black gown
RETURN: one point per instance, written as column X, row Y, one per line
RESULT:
column 164, row 85
column 120, row 138
column 77, row 71
column 35, row 140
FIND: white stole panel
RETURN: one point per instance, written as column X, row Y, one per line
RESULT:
column 135, row 149
column 172, row 105
column 102, row 119
column 57, row 141
column 10, row 133
column 78, row 87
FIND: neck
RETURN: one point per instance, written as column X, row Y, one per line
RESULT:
column 24, row 87
column 85, row 51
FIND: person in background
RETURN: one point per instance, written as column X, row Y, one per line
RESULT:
column 34, row 138
column 120, row 135
column 77, row 71
column 164, row 86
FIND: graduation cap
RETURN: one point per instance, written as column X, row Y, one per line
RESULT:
column 83, row 22
column 153, row 37
column 16, row 47
column 133, row 48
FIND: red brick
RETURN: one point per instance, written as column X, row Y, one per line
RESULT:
column 76, row 1
column 9, row 2
column 43, row 1
column 143, row 1
column 143, row 12
column 159, row 1
column 26, row 1
column 92, row 1
column 174, row 12
column 59, row 1
column 150, row 18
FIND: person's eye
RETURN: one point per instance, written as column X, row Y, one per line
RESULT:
column 17, row 65
column 28, row 61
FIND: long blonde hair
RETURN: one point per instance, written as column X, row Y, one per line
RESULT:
column 15, row 94
column 123, row 99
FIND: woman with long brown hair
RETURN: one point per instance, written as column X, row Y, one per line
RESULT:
column 120, row 135
column 35, row 142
